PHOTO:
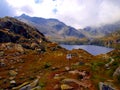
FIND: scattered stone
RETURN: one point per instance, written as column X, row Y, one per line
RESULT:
column 27, row 87
column 57, row 76
column 56, row 87
column 1, row 78
column 12, row 67
column 104, row 86
column 67, row 68
column 19, row 48
column 107, row 66
column 5, row 81
column 12, row 73
column 73, row 72
column 69, row 80
column 31, row 86
column 20, row 86
column 66, row 87
column 36, row 88
column 12, row 83
column 34, row 45
column 2, row 64
column 35, row 82
column 38, row 50
column 116, row 74
column 1, row 53
column 12, row 78
column 54, row 68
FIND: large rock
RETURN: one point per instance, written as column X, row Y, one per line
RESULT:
column 66, row 87
column 116, row 74
column 105, row 86
column 1, row 53
column 19, row 48
column 12, row 73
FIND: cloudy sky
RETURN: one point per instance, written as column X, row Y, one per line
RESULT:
column 77, row 13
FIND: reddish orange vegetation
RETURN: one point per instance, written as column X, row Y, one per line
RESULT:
column 31, row 63
column 49, row 64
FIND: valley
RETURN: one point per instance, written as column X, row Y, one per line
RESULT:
column 29, row 61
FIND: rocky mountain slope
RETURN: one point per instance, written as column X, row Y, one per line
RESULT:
column 110, row 40
column 28, row 61
column 11, row 30
column 100, row 31
column 54, row 29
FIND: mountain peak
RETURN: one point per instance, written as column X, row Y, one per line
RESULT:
column 23, row 15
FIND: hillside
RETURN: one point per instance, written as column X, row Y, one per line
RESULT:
column 11, row 30
column 28, row 61
column 110, row 40
column 100, row 31
column 53, row 29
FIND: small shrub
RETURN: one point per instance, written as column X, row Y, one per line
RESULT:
column 47, row 65
column 42, row 84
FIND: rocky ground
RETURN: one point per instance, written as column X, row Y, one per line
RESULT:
column 25, row 69
column 28, row 61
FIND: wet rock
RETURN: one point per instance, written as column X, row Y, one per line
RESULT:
column 66, row 87
column 12, row 73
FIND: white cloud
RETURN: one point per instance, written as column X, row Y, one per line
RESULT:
column 77, row 13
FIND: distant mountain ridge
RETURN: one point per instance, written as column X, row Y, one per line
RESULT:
column 52, row 28
column 101, row 31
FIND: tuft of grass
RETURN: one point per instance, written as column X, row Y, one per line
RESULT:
column 47, row 65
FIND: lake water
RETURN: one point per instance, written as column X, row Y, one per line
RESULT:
column 94, row 50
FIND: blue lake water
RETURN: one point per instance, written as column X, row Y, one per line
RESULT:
column 94, row 50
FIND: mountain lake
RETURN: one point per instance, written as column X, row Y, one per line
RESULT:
column 92, row 49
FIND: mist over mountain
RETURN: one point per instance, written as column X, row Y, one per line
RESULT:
column 59, row 32
column 100, row 31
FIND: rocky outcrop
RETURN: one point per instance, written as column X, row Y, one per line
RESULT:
column 116, row 74
column 12, row 30
column 104, row 86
